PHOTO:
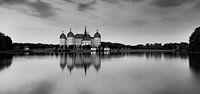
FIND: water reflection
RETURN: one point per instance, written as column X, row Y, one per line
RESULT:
column 84, row 61
column 119, row 73
column 80, row 61
column 158, row 55
column 176, row 55
column 194, row 62
column 71, row 61
column 5, row 61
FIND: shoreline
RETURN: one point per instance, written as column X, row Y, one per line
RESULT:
column 85, row 51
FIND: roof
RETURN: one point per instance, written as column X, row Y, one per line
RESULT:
column 97, row 35
column 62, row 36
column 86, row 37
column 79, row 36
column 70, row 34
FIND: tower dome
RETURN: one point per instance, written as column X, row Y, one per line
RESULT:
column 97, row 35
column 70, row 34
column 62, row 36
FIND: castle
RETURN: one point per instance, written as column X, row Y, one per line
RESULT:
column 80, row 40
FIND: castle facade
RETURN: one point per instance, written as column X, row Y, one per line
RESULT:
column 79, row 40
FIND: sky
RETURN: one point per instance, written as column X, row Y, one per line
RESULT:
column 123, row 21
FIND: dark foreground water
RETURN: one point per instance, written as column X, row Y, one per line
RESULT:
column 136, row 73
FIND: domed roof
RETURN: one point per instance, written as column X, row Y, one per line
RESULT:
column 97, row 35
column 70, row 34
column 62, row 36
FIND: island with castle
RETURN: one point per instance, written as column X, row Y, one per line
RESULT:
column 80, row 41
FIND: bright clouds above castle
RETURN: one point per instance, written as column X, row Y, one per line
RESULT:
column 126, row 21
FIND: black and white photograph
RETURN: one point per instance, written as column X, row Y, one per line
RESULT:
column 99, row 46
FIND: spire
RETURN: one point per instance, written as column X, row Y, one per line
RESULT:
column 70, row 30
column 62, row 31
column 85, row 31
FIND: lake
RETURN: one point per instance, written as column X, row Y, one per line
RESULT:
column 100, row 73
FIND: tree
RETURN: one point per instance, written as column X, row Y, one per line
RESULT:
column 194, row 45
column 8, row 42
column 3, row 45
column 5, row 42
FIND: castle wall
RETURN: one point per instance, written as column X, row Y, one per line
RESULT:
column 70, row 41
column 86, row 42
column 78, row 41
column 92, row 42
column 97, row 42
column 62, row 42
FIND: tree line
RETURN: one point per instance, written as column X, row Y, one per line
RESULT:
column 183, row 46
column 192, row 46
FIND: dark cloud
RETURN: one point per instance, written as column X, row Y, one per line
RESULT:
column 44, row 9
column 197, row 5
column 135, row 0
column 170, row 3
column 37, row 8
column 71, row 1
column 12, row 2
column 83, row 6
column 111, row 1
column 117, row 1
column 86, row 6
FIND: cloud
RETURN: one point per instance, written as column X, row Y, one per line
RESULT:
column 117, row 1
column 12, row 1
column 135, row 0
column 35, row 8
column 83, row 5
column 170, row 3
column 43, row 9
column 71, row 1
column 86, row 6
column 174, row 10
column 111, row 1
column 197, row 5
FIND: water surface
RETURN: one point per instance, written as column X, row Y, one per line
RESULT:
column 93, row 73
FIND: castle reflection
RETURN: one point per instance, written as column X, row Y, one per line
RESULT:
column 80, row 61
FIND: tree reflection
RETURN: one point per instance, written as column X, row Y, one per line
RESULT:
column 80, row 61
column 194, row 62
column 5, row 61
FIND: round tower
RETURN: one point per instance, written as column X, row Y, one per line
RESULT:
column 97, row 39
column 70, row 38
column 63, row 39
